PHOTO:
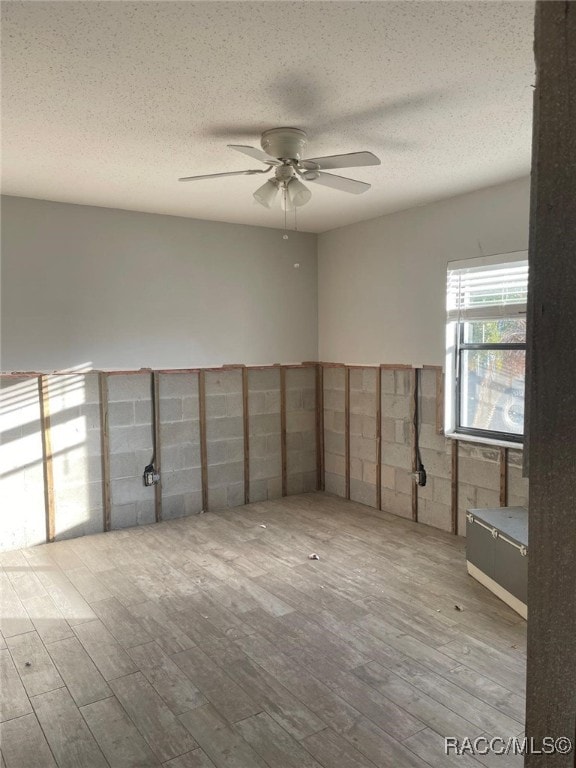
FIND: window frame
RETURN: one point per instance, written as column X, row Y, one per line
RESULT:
column 456, row 346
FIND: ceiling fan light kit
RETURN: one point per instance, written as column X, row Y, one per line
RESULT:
column 282, row 150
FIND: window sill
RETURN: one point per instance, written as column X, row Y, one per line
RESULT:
column 483, row 440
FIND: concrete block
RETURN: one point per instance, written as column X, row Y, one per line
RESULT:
column 480, row 473
column 515, row 458
column 219, row 429
column 435, row 514
column 223, row 382
column 128, row 489
column 171, row 409
column 461, row 523
column 235, row 449
column 309, row 399
column 274, row 485
column 334, row 378
column 91, row 391
column 363, row 403
column 388, row 477
column 179, row 433
column 300, row 421
column 478, row 452
column 261, row 468
column 368, row 426
column 181, row 481
column 362, row 492
column 122, row 413
column 404, row 481
column 133, row 386
column 334, row 443
column 72, row 468
column 225, row 474
column 300, row 378
column 125, row 439
column 395, row 406
column 295, row 483
column 215, row 406
column 517, row 485
column 308, row 461
column 362, row 448
column 428, row 438
column 427, row 411
column 310, row 481
column 235, row 495
column 487, row 499
column 145, row 512
column 335, row 484
column 294, row 441
column 442, row 490
column 294, row 400
column 123, row 515
column 218, row 498
column 356, row 424
column 428, row 383
column 258, row 490
column 402, row 431
column 466, row 496
column 273, row 445
column 427, row 491
column 235, row 405
column 272, row 402
column 369, row 472
column 356, row 380
column 179, row 385
column 334, row 400
column 91, row 414
column 193, row 503
column 339, row 422
column 388, row 382
column 258, row 446
column 396, row 503
column 334, row 464
column 356, row 468
column 266, row 380
column 217, row 452
column 397, row 455
column 173, row 507
column 388, row 430
column 256, row 403
column 436, row 463
column 264, row 424
column 190, row 408
column 403, row 380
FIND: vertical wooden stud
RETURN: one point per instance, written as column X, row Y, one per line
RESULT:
column 439, row 401
column 48, row 468
column 379, row 438
column 157, row 445
column 105, row 451
column 454, row 488
column 283, row 431
column 503, row 477
column 347, row 427
column 414, row 438
column 203, row 442
column 319, row 427
column 246, row 420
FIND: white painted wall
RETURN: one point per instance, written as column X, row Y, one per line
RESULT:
column 382, row 283
column 116, row 289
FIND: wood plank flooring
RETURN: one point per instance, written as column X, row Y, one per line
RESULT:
column 215, row 642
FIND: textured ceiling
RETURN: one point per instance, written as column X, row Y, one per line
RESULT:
column 108, row 103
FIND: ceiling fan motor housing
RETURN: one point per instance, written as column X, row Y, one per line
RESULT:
column 284, row 143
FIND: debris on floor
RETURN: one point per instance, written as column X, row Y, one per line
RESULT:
column 458, row 608
column 313, row 556
column 262, row 525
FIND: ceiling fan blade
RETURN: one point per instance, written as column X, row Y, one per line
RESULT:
column 350, row 160
column 339, row 182
column 218, row 175
column 258, row 154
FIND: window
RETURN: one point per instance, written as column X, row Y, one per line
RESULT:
column 486, row 347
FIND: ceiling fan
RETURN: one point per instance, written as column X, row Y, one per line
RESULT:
column 281, row 151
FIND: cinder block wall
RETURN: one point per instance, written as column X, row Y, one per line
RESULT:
column 131, row 448
column 301, row 455
column 477, row 475
column 335, row 431
column 180, row 445
column 225, row 439
column 264, row 434
column 22, row 517
column 397, row 480
column 76, row 450
column 363, row 445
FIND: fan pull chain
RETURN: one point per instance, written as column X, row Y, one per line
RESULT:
column 285, row 193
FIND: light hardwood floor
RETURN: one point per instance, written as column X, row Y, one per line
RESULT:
column 216, row 641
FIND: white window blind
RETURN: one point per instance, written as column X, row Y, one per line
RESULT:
column 484, row 289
